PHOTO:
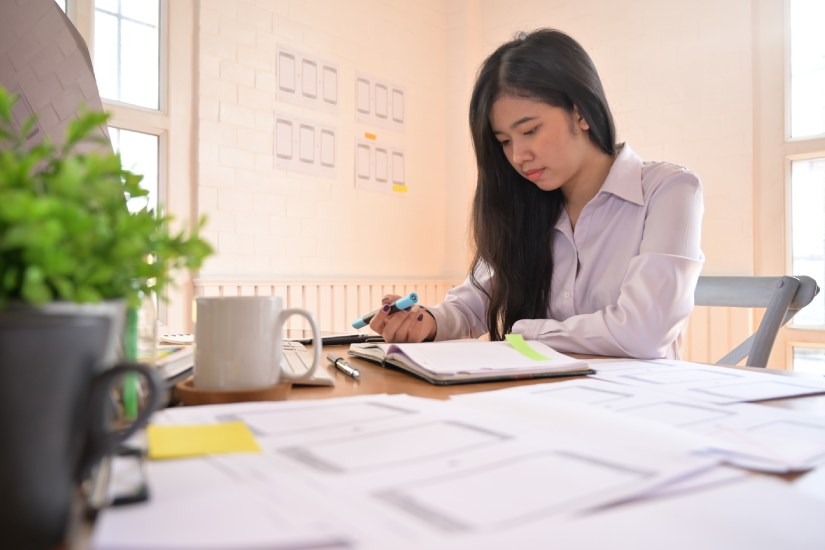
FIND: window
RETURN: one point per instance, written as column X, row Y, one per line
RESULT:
column 127, row 42
column 807, row 68
column 807, row 168
column 134, row 54
column 789, row 164
column 804, row 154
column 808, row 232
column 809, row 359
column 127, row 65
column 139, row 154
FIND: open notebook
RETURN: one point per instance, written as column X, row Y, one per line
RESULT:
column 464, row 361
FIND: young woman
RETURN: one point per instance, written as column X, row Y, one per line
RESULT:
column 579, row 243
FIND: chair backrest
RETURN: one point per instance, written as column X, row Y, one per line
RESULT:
column 781, row 297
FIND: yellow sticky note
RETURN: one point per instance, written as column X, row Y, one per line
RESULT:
column 199, row 439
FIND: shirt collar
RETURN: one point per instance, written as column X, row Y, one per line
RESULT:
column 624, row 181
column 625, row 177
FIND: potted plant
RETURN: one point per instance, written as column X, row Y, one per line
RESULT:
column 66, row 233
column 69, row 248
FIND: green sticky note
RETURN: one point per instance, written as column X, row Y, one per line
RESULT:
column 200, row 439
column 517, row 341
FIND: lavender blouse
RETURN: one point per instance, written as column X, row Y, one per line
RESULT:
column 623, row 281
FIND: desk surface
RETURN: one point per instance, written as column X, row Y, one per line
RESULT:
column 377, row 379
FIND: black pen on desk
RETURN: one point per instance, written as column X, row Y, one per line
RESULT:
column 343, row 366
column 401, row 303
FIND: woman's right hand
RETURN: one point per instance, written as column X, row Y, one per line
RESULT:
column 414, row 324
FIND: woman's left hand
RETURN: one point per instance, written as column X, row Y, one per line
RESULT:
column 407, row 325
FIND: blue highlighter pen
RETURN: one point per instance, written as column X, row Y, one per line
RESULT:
column 399, row 304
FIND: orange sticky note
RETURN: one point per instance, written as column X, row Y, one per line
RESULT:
column 176, row 441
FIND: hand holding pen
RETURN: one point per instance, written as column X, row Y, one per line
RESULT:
column 396, row 304
column 409, row 323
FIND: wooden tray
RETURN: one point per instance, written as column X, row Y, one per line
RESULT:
column 191, row 395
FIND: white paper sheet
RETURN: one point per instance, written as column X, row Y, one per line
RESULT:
column 753, row 436
column 705, row 382
column 195, row 503
column 386, row 471
column 755, row 513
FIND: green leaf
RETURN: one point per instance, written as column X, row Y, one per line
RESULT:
column 35, row 290
column 11, row 278
column 83, row 127
column 63, row 287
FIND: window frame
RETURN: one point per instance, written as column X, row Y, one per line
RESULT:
column 173, row 125
column 805, row 140
column 795, row 149
column 774, row 151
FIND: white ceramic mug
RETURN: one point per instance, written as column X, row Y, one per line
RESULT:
column 239, row 342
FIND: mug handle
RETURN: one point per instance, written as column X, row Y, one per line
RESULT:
column 103, row 441
column 317, row 346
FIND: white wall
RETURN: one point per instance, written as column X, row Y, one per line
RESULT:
column 268, row 222
column 678, row 75
column 679, row 79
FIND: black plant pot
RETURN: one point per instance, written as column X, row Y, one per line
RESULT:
column 55, row 417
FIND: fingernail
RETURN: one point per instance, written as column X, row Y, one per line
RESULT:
column 421, row 317
column 386, row 307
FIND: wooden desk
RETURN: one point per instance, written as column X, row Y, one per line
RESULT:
column 377, row 379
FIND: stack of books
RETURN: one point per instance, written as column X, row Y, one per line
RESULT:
column 173, row 362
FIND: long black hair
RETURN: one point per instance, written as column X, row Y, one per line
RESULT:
column 512, row 219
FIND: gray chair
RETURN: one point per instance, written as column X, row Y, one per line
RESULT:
column 781, row 297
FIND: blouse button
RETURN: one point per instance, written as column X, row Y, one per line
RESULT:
column 567, row 294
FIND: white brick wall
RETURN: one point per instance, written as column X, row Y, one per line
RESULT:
column 321, row 220
column 678, row 75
